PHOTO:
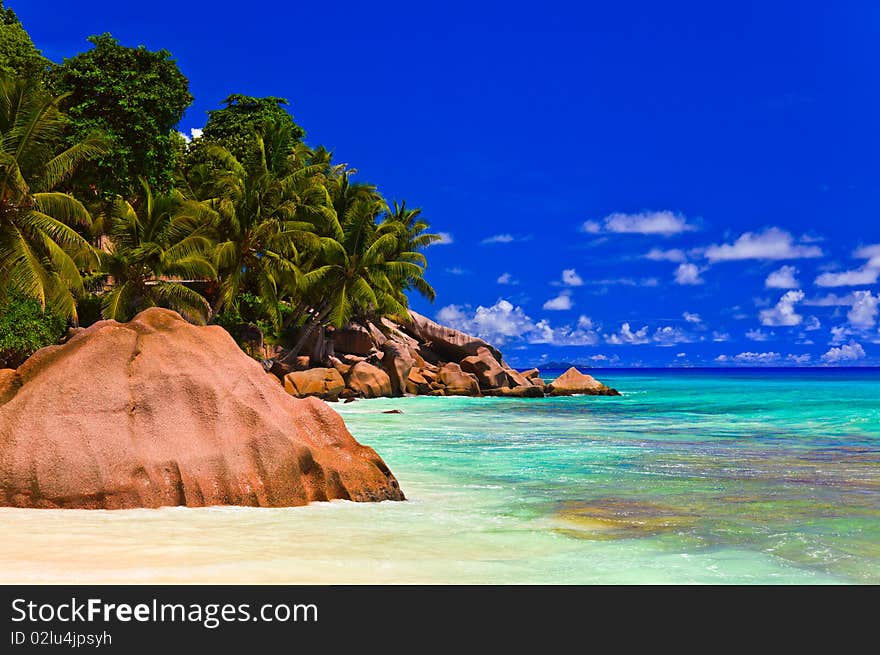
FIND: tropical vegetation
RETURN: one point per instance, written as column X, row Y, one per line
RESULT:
column 105, row 209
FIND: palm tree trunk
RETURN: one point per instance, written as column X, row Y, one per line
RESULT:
column 314, row 321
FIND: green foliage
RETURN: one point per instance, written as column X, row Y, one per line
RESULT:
column 235, row 126
column 18, row 55
column 155, row 246
column 89, row 309
column 25, row 327
column 136, row 97
column 41, row 251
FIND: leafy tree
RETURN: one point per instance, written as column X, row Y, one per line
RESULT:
column 234, row 126
column 267, row 208
column 25, row 327
column 154, row 245
column 41, row 252
column 414, row 237
column 19, row 56
column 135, row 96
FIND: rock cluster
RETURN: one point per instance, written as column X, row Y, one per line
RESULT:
column 421, row 357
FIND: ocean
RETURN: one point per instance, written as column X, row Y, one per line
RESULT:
column 691, row 476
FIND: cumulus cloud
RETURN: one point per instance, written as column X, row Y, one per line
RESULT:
column 855, row 278
column 798, row 359
column 783, row 313
column 497, row 324
column 688, row 274
column 504, row 322
column 812, row 324
column 445, row 239
column 658, row 255
column 582, row 334
column 863, row 313
column 692, row 318
column 759, row 335
column 194, row 133
column 670, row 336
column 626, row 336
column 849, row 352
column 771, row 244
column 751, row 358
column 783, row 278
column 560, row 302
column 506, row 278
column 571, row 278
column 871, row 253
column 720, row 336
column 664, row 223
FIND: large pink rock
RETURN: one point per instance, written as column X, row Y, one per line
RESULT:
column 160, row 412
column 368, row 381
column 354, row 339
column 397, row 361
column 326, row 383
column 574, row 382
column 457, row 382
column 489, row 373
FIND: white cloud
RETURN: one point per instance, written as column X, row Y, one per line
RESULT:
column 194, row 133
column 783, row 313
column 831, row 300
column 506, row 278
column 783, row 278
column 692, row 318
column 855, row 278
column 582, row 335
column 720, row 336
column 798, row 359
column 751, row 358
column 849, row 352
column 455, row 270
column 571, row 278
column 504, row 322
column 863, row 313
column 627, row 336
column 665, row 223
column 772, row 244
column 871, row 253
column 445, row 239
column 673, row 255
column 812, row 324
column 670, row 336
column 759, row 335
column 681, row 354
column 560, row 302
column 688, row 274
column 839, row 334
column 496, row 324
column 504, row 238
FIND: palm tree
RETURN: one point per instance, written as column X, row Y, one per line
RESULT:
column 414, row 237
column 41, row 252
column 268, row 208
column 155, row 245
column 361, row 273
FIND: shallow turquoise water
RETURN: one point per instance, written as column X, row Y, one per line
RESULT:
column 689, row 477
column 704, row 476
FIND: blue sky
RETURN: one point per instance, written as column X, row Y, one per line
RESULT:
column 628, row 183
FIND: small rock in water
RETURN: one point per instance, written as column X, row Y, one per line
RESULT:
column 393, row 411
